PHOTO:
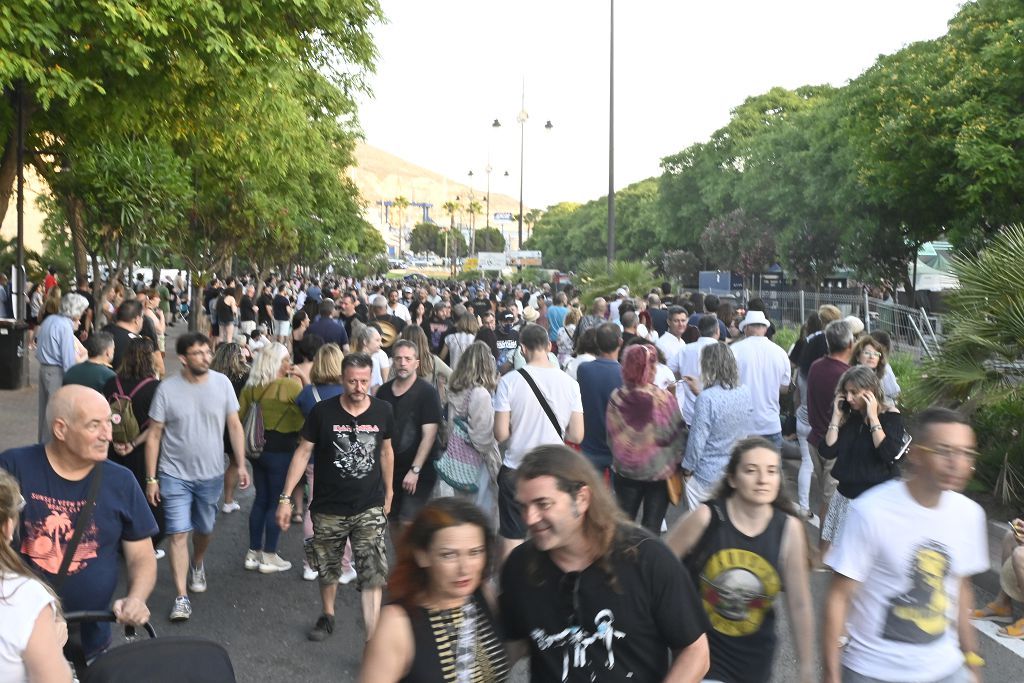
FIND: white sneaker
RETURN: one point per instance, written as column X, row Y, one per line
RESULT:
column 228, row 508
column 159, row 553
column 252, row 560
column 309, row 574
column 197, row 579
column 272, row 562
column 347, row 576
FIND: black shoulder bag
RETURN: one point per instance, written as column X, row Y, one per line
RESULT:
column 543, row 402
column 84, row 517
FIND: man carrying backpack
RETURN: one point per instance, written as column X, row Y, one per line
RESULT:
column 186, row 430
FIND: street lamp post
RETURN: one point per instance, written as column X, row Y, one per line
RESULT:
column 521, row 118
column 611, row 136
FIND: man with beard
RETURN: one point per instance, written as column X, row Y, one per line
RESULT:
column 417, row 409
column 186, row 433
column 352, row 496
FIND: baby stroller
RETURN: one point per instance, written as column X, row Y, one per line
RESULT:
column 154, row 660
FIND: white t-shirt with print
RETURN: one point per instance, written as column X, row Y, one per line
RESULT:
column 765, row 368
column 530, row 426
column 909, row 560
column 21, row 601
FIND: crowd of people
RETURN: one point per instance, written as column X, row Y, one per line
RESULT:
column 506, row 438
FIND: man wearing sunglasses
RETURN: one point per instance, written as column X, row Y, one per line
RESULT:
column 353, row 491
column 904, row 560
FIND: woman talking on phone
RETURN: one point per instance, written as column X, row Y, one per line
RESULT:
column 865, row 437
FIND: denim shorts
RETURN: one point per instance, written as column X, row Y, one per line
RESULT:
column 189, row 505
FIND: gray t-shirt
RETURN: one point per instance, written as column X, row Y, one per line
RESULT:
column 194, row 416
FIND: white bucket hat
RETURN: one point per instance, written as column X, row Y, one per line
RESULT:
column 754, row 318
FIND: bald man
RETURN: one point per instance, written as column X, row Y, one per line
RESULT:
column 55, row 480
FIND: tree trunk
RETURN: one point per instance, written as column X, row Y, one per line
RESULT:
column 73, row 209
column 9, row 160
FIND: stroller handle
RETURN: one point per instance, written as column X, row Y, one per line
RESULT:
column 91, row 616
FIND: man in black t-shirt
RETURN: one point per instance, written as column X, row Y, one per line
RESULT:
column 417, row 410
column 643, row 622
column 282, row 307
column 352, row 496
column 264, row 308
column 127, row 325
column 247, row 310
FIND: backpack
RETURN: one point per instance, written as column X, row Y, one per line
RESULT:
column 125, row 427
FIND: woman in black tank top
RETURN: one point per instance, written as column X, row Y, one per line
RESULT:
column 742, row 547
column 439, row 627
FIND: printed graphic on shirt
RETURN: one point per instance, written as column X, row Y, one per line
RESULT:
column 575, row 641
column 918, row 616
column 737, row 589
column 47, row 538
column 354, row 448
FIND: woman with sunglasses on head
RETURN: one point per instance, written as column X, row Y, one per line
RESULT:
column 742, row 547
column 439, row 625
column 865, row 437
column 32, row 630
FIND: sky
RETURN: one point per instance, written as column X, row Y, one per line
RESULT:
column 448, row 68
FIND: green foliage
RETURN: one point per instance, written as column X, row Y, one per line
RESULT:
column 785, row 337
column 595, row 278
column 680, row 266
column 469, row 275
column 536, row 276
column 423, row 238
column 1001, row 466
column 981, row 361
column 489, row 239
column 740, row 243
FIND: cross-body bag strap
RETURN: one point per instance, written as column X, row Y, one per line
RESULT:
column 543, row 402
column 316, row 394
column 137, row 386
column 84, row 516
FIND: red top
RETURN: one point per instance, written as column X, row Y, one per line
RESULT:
column 822, row 381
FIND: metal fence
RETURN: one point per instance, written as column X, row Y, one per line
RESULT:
column 915, row 331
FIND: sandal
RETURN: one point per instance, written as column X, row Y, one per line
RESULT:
column 1014, row 630
column 994, row 612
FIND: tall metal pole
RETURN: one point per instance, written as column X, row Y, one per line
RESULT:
column 611, row 136
column 522, row 138
column 20, row 303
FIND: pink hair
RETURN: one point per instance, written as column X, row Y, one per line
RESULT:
column 638, row 364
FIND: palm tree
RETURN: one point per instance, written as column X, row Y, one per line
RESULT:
column 980, row 365
column 597, row 278
column 450, row 208
column 475, row 208
column 531, row 217
column 401, row 204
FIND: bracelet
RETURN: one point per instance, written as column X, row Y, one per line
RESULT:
column 284, row 499
column 973, row 659
column 876, row 428
column 152, row 480
column 836, row 427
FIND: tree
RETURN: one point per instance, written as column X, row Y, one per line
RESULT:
column 599, row 278
column 735, row 242
column 681, row 266
column 424, row 238
column 400, row 204
column 489, row 239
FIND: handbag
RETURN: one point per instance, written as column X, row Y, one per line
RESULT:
column 675, row 487
column 459, row 463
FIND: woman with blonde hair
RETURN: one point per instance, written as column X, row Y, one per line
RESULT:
column 368, row 341
column 471, row 415
column 271, row 386
column 32, row 631
column 458, row 341
column 871, row 353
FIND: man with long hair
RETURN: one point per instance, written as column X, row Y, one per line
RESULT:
column 594, row 597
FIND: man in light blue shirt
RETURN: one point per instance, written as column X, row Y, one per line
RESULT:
column 556, row 315
column 55, row 351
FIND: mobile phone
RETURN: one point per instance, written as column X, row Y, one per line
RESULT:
column 844, row 405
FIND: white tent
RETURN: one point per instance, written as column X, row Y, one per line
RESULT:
column 931, row 279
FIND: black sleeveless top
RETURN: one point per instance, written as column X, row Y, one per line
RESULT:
column 738, row 578
column 436, row 639
column 225, row 313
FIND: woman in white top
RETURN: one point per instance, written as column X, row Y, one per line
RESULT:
column 368, row 341
column 456, row 343
column 32, row 631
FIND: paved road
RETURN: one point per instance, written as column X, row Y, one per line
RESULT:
column 262, row 619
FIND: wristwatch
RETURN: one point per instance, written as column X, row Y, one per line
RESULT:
column 415, row 469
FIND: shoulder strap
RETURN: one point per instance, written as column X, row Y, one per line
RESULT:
column 543, row 402
column 316, row 394
column 84, row 516
column 137, row 386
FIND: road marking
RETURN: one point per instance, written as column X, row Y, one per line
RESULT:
column 989, row 629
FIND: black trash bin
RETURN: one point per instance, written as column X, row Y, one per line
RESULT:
column 12, row 354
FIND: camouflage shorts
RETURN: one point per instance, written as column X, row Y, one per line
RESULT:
column 366, row 532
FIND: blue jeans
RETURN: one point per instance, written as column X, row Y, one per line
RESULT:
column 775, row 438
column 268, row 475
column 189, row 505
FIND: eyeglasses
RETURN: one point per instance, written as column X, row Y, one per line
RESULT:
column 948, row 453
column 200, row 352
column 871, row 354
